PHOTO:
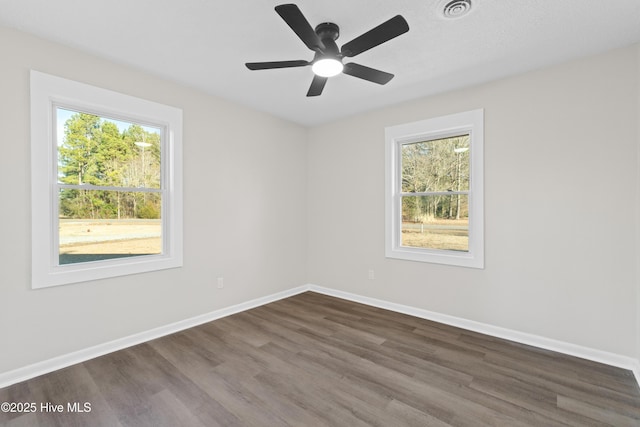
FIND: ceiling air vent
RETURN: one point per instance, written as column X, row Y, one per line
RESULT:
column 453, row 9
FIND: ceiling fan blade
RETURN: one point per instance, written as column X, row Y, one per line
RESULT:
column 366, row 73
column 276, row 64
column 376, row 36
column 299, row 24
column 317, row 85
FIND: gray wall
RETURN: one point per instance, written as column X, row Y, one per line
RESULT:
column 270, row 206
column 561, row 181
column 244, row 204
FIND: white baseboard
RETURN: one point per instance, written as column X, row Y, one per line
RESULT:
column 600, row 356
column 50, row 365
column 46, row 366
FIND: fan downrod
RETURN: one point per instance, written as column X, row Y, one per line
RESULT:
column 328, row 30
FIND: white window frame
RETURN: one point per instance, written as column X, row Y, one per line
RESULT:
column 49, row 92
column 470, row 122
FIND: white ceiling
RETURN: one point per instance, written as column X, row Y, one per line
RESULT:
column 205, row 43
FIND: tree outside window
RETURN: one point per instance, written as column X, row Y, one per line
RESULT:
column 109, row 179
column 435, row 194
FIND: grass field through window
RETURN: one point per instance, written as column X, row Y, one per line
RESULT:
column 83, row 240
column 443, row 234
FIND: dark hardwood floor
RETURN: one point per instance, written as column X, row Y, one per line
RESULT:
column 313, row 360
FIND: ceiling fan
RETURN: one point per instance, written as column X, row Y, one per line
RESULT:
column 327, row 61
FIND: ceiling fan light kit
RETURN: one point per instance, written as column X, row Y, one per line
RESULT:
column 328, row 58
column 327, row 67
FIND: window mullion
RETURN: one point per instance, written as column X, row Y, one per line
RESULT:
column 109, row 188
column 435, row 193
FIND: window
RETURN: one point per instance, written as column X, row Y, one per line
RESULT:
column 106, row 183
column 434, row 190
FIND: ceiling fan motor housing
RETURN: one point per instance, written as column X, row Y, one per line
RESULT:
column 328, row 32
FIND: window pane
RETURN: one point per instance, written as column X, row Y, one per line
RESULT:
column 436, row 222
column 436, row 165
column 99, row 151
column 96, row 225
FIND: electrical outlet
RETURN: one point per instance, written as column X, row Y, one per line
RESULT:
column 372, row 275
column 220, row 282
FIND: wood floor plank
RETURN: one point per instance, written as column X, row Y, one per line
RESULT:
column 411, row 416
column 561, row 383
column 315, row 360
column 165, row 410
column 570, row 367
column 529, row 397
column 282, row 406
column 604, row 415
